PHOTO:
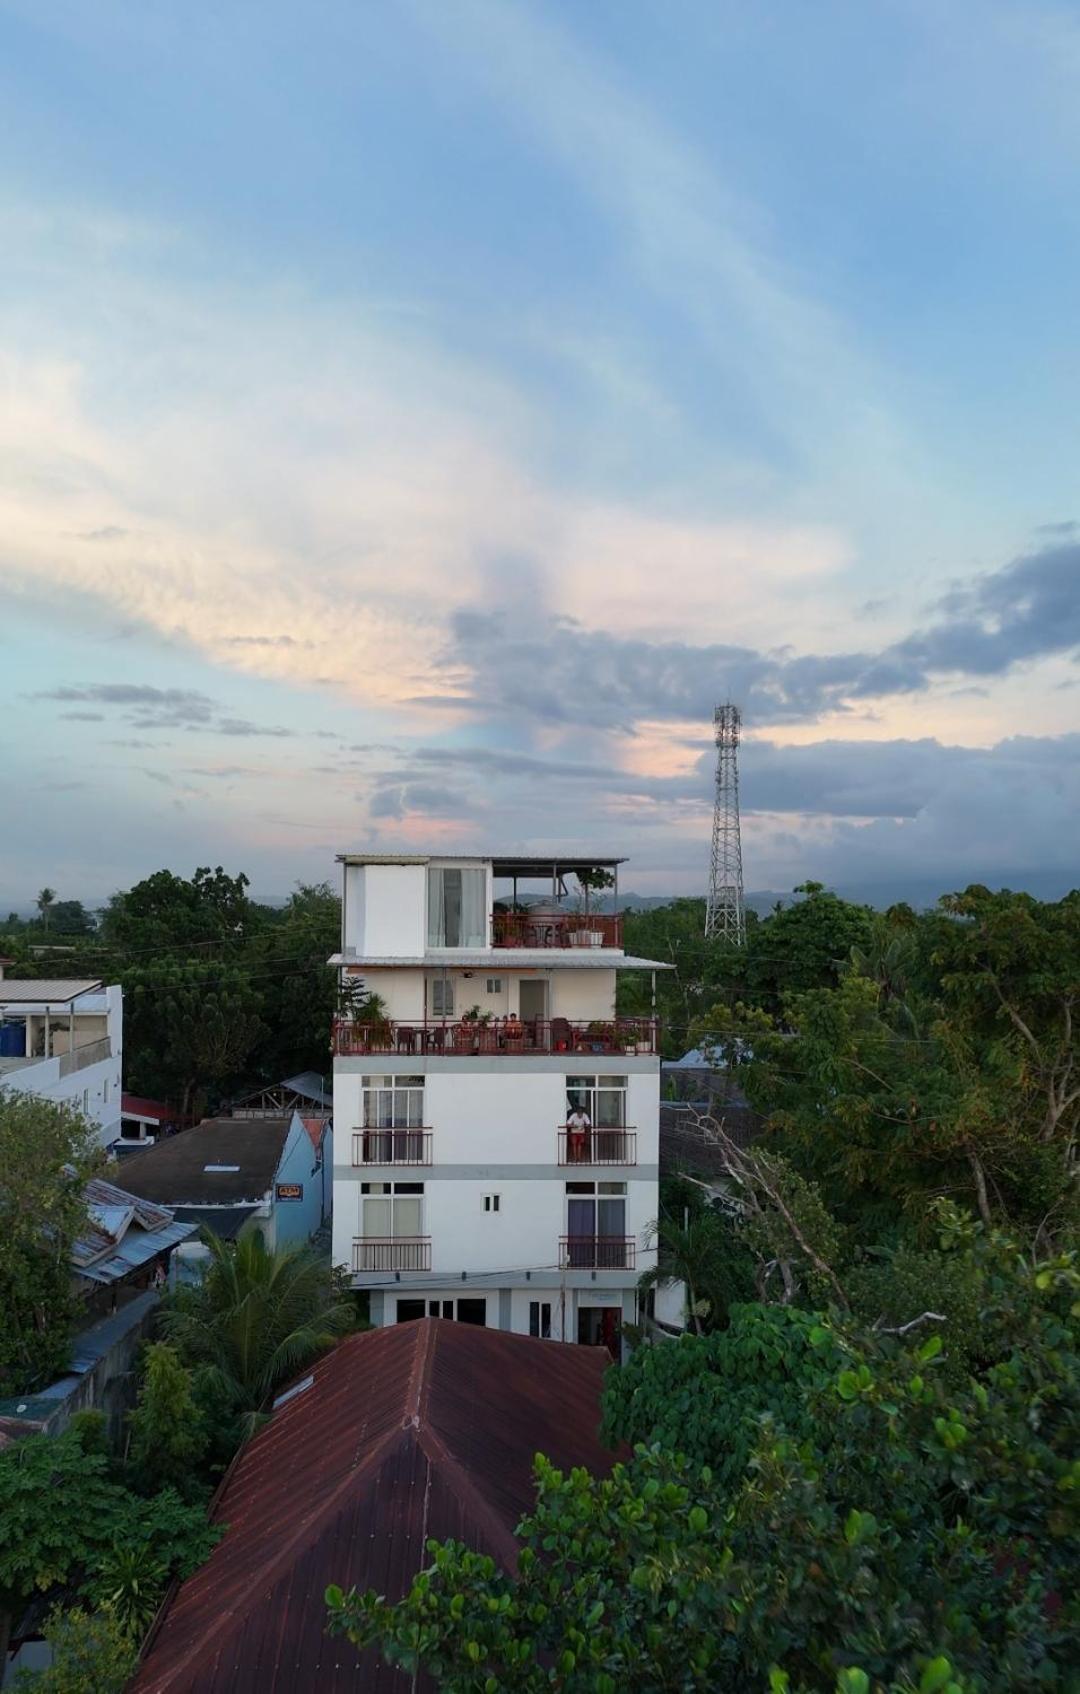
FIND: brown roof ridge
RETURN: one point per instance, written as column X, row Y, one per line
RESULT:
column 439, row 1453
column 267, row 1574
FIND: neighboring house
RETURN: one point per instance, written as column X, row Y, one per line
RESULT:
column 63, row 1039
column 304, row 1093
column 236, row 1174
column 119, row 1265
column 459, row 1190
column 143, row 1121
column 397, row 1436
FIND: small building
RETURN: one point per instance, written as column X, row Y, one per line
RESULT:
column 143, row 1121
column 306, row 1093
column 63, row 1039
column 236, row 1175
column 400, row 1435
column 120, row 1264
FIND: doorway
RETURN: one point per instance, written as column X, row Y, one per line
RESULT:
column 600, row 1326
column 533, row 1003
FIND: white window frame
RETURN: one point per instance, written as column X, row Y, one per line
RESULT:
column 540, row 1317
column 443, row 996
column 392, row 1102
column 600, row 1093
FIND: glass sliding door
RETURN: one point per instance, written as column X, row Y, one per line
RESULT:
column 457, row 906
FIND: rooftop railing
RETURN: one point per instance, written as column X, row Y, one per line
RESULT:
column 505, row 1037
column 556, row 929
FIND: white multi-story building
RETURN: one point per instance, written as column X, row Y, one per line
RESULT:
column 63, row 1039
column 483, row 1027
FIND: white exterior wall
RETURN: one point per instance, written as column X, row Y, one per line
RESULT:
column 583, row 995
column 95, row 1089
column 295, row 1221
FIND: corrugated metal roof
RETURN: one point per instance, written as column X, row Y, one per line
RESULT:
column 107, row 1248
column 138, row 1106
column 174, row 1171
column 422, row 1430
column 510, row 958
column 137, row 1249
column 55, row 990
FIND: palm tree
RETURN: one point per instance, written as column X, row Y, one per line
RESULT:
column 256, row 1319
column 693, row 1253
column 45, row 902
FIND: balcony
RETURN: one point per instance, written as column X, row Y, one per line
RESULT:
column 556, row 929
column 597, row 1252
column 506, row 1037
column 400, row 1253
column 597, row 1147
column 391, row 1147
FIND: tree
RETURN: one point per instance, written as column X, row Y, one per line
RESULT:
column 47, row 1152
column 190, row 1027
column 70, row 918
column 168, row 1434
column 803, row 946
column 255, row 1320
column 298, row 988
column 699, row 1251
column 90, row 1653
column 62, row 1514
column 44, row 903
column 903, row 1533
column 210, row 913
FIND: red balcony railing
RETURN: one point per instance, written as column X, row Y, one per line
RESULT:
column 598, row 1146
column 597, row 1252
column 557, row 929
column 509, row 1036
column 391, row 1147
column 402, row 1253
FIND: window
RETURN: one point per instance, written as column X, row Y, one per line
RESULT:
column 494, row 985
column 457, row 907
column 393, row 1102
column 603, row 1098
column 409, row 1310
column 596, row 1225
column 465, row 1311
column 392, row 1210
column 442, row 997
column 540, row 1319
column 491, row 1202
column 105, row 1092
column 85, row 1101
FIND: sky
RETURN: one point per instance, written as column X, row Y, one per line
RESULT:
column 416, row 416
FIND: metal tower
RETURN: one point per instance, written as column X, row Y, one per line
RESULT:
column 725, row 915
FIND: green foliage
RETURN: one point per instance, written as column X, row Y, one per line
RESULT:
column 255, row 1319
column 63, row 1514
column 47, row 1151
column 193, row 1026
column 890, row 1530
column 164, row 913
column 708, row 1256
column 705, row 1396
column 129, row 1583
column 92, row 1653
column 803, row 946
column 169, row 1438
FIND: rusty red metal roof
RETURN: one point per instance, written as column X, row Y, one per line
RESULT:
column 316, row 1128
column 423, row 1430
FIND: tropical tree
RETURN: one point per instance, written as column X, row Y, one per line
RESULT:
column 63, row 1513
column 256, row 1318
column 44, row 903
column 890, row 1529
column 168, row 1434
column 90, row 1652
column 47, row 1152
column 191, row 1027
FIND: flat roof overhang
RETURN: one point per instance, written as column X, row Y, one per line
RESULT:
column 506, row 958
column 502, row 864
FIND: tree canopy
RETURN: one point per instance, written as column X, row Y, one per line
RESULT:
column 47, row 1152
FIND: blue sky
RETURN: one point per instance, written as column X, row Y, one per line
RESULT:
column 413, row 416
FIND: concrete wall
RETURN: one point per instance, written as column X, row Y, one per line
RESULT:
column 579, row 995
column 494, row 1128
column 95, row 1089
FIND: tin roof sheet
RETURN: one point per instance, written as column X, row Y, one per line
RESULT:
column 40, row 989
column 417, row 1431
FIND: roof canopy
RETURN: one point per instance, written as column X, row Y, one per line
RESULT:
column 37, row 990
column 179, row 1170
column 502, row 864
column 420, row 1430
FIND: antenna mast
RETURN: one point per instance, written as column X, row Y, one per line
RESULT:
column 725, row 915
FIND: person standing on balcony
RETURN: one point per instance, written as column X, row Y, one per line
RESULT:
column 578, row 1125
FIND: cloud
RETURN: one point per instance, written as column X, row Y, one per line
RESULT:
column 426, row 799
column 264, row 641
column 178, row 705
column 554, row 670
column 83, row 717
column 243, row 726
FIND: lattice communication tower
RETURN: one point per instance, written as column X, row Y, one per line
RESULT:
column 725, row 913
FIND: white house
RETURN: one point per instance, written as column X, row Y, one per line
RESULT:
column 459, row 1190
column 63, row 1039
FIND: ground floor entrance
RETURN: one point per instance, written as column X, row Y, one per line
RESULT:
column 600, row 1326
